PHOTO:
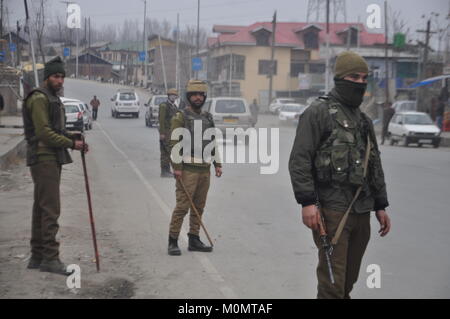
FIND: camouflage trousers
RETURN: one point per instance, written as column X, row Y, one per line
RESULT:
column 165, row 155
column 347, row 254
column 197, row 185
column 46, row 210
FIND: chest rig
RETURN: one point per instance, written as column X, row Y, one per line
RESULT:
column 340, row 158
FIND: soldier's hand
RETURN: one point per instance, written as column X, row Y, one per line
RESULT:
column 310, row 216
column 78, row 145
column 177, row 174
column 162, row 137
column 385, row 222
column 218, row 171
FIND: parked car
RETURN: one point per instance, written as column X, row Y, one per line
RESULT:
column 277, row 103
column 229, row 112
column 413, row 128
column 152, row 109
column 405, row 106
column 125, row 102
column 74, row 116
column 87, row 114
column 290, row 112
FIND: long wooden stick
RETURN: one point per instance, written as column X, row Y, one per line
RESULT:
column 91, row 215
column 196, row 211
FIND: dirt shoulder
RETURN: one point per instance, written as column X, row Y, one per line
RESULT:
column 16, row 281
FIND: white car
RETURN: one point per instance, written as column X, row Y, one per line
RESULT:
column 277, row 103
column 125, row 102
column 413, row 128
column 152, row 112
column 290, row 112
column 405, row 106
column 74, row 116
column 87, row 115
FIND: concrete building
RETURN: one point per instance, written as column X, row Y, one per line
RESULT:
column 239, row 58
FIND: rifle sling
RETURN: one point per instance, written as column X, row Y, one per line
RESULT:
column 343, row 221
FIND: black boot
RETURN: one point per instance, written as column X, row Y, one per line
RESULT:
column 195, row 244
column 35, row 262
column 173, row 247
column 54, row 266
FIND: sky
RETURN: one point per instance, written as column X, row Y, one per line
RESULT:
column 236, row 12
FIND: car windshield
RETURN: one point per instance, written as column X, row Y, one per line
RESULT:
column 159, row 100
column 230, row 106
column 70, row 108
column 418, row 119
column 286, row 101
column 127, row 96
column 407, row 106
column 292, row 108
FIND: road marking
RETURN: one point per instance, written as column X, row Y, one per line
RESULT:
column 208, row 266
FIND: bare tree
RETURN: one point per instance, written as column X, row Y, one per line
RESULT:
column 40, row 26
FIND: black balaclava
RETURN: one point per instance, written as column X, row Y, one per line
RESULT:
column 349, row 92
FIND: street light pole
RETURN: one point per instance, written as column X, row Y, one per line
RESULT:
column 145, row 46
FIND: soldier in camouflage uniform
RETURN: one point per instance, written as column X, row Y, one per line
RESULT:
column 47, row 143
column 195, row 175
column 327, row 167
column 167, row 110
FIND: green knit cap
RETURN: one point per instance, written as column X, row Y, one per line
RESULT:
column 349, row 62
column 55, row 65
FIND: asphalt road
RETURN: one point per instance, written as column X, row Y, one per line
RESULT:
column 262, row 250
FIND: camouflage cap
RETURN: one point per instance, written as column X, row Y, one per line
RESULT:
column 196, row 86
column 172, row 91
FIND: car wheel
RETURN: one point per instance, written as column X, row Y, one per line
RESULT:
column 435, row 145
column 419, row 144
column 391, row 140
column 405, row 141
column 90, row 126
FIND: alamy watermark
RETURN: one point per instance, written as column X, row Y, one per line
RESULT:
column 263, row 146
column 73, row 280
column 374, row 279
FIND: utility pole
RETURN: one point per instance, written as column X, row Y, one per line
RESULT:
column 272, row 54
column 162, row 62
column 145, row 47
column 198, row 34
column 327, row 62
column 30, row 33
column 177, row 57
column 421, row 90
column 386, row 62
column 18, row 43
column 1, row 19
column 89, row 48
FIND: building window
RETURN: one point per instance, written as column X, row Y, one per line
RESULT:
column 296, row 68
column 317, row 68
column 264, row 67
column 311, row 40
column 238, row 67
column 262, row 37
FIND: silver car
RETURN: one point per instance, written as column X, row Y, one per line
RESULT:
column 229, row 112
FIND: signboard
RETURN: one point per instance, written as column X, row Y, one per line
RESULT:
column 304, row 81
column 197, row 64
column 66, row 52
column 142, row 56
column 12, row 47
column 2, row 56
column 73, row 16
